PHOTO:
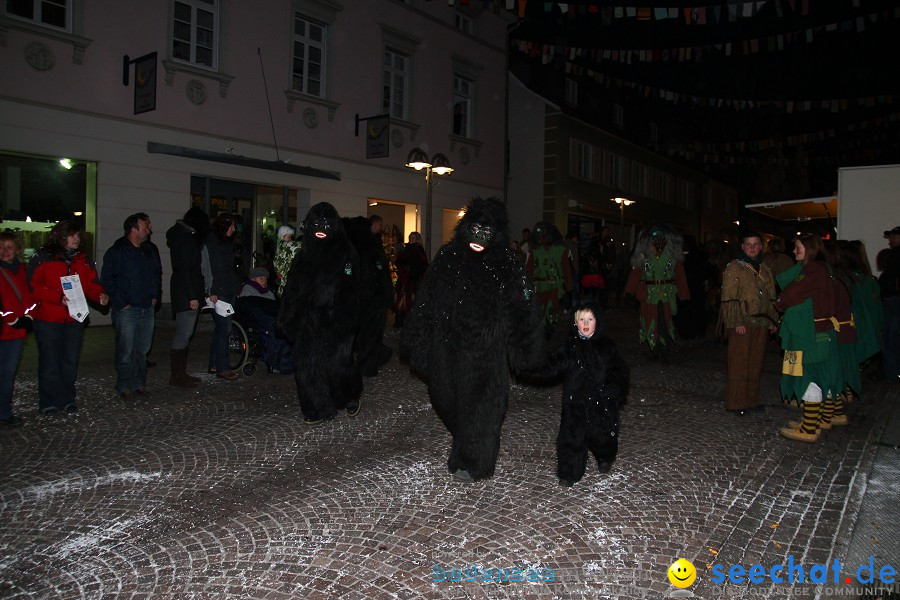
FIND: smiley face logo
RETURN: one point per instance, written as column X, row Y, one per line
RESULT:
column 682, row 573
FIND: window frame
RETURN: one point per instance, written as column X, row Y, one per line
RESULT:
column 402, row 44
column 214, row 6
column 466, row 97
column 37, row 7
column 322, row 46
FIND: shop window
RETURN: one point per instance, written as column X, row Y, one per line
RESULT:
column 37, row 191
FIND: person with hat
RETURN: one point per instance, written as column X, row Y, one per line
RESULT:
column 889, row 281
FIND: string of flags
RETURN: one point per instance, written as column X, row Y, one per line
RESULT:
column 737, row 152
column 730, row 11
column 698, row 53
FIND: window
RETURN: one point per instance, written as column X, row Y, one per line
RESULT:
column 618, row 116
column 194, row 37
column 53, row 13
column 616, row 170
column 463, row 23
column 582, row 160
column 41, row 190
column 309, row 56
column 463, row 90
column 571, row 92
column 638, row 179
column 395, row 99
column 684, row 197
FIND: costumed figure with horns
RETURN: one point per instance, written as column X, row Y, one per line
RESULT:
column 657, row 281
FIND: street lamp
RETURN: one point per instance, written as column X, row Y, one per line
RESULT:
column 438, row 165
column 622, row 202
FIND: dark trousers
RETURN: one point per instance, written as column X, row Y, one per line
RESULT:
column 218, row 349
column 59, row 345
column 10, row 352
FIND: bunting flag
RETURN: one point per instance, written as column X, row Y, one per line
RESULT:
column 699, row 53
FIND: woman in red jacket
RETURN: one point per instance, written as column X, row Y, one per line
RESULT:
column 15, row 320
column 58, row 334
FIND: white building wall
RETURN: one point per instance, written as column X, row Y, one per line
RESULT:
column 868, row 205
column 83, row 111
column 526, row 157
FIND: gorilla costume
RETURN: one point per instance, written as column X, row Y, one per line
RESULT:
column 597, row 385
column 473, row 321
column 320, row 314
column 375, row 295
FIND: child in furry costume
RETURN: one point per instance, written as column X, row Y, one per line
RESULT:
column 320, row 314
column 474, row 319
column 597, row 382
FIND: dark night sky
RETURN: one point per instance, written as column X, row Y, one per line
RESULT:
column 776, row 116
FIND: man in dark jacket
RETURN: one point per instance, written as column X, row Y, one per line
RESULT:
column 132, row 277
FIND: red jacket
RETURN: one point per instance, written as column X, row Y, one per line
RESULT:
column 10, row 303
column 44, row 272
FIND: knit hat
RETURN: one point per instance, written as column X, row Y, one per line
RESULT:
column 258, row 272
column 285, row 230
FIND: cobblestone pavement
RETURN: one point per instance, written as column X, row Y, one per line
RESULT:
column 222, row 492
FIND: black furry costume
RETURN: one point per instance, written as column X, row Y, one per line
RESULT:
column 320, row 314
column 375, row 295
column 597, row 383
column 473, row 320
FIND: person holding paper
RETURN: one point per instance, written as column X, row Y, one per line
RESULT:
column 222, row 284
column 61, row 280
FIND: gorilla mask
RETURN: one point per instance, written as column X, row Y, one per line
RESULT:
column 484, row 226
column 322, row 222
column 480, row 236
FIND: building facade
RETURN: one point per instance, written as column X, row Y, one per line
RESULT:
column 256, row 108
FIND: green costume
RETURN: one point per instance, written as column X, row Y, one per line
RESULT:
column 809, row 356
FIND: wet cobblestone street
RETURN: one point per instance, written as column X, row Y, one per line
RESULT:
column 223, row 492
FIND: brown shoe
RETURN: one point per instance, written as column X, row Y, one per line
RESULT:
column 839, row 420
column 822, row 425
column 229, row 375
column 798, row 434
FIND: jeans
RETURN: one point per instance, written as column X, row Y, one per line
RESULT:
column 10, row 352
column 891, row 342
column 134, row 334
column 59, row 345
column 218, row 349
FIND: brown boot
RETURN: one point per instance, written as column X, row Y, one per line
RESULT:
column 179, row 378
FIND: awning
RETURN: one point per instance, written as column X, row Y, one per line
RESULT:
column 269, row 165
column 804, row 209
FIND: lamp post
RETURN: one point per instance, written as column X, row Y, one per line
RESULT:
column 622, row 202
column 437, row 165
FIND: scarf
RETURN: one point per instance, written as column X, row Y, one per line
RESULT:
column 262, row 289
column 12, row 267
column 753, row 261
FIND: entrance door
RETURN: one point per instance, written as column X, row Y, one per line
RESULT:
column 259, row 211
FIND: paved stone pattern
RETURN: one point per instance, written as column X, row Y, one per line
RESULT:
column 222, row 492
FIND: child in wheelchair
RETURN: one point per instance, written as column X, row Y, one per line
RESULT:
column 256, row 311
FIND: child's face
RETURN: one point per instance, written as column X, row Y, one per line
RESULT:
column 586, row 323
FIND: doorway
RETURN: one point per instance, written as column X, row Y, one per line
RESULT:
column 259, row 211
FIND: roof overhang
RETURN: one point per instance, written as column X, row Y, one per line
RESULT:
column 804, row 209
column 256, row 163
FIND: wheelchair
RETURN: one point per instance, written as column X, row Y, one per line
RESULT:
column 239, row 347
